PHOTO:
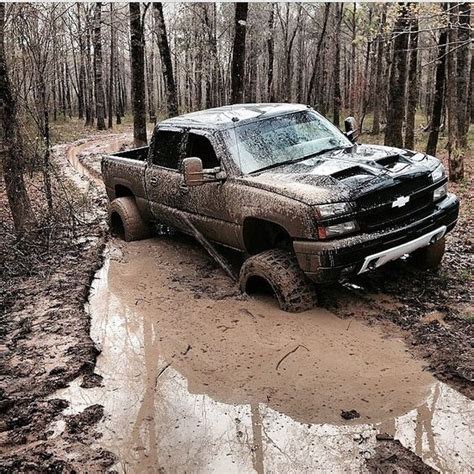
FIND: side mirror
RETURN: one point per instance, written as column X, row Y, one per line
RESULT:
column 193, row 172
column 350, row 126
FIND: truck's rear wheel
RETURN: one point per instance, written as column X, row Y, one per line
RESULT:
column 126, row 221
column 430, row 256
column 279, row 271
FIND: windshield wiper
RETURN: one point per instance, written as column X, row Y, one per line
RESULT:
column 303, row 158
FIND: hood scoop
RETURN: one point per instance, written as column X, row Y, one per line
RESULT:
column 351, row 172
column 393, row 163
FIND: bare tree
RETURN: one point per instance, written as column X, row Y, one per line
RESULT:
column 463, row 73
column 413, row 86
column 270, row 52
column 98, row 82
column 137, row 58
column 166, row 64
column 397, row 84
column 316, row 65
column 110, row 98
column 438, row 100
column 455, row 155
column 337, row 99
column 11, row 143
column 378, row 101
column 238, row 52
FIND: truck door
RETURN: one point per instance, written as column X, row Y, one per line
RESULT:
column 163, row 179
column 206, row 205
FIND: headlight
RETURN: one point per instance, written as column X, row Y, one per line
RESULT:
column 337, row 230
column 438, row 173
column 336, row 209
column 440, row 193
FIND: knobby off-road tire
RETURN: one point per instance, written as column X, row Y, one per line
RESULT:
column 430, row 256
column 134, row 227
column 280, row 269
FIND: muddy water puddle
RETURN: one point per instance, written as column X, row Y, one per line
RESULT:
column 197, row 378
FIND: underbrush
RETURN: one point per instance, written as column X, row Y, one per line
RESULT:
column 39, row 250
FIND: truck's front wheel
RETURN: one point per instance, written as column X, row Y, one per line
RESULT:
column 126, row 221
column 430, row 256
column 279, row 271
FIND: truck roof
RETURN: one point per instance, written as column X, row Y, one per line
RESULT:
column 232, row 115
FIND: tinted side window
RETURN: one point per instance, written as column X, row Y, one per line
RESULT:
column 167, row 149
column 200, row 147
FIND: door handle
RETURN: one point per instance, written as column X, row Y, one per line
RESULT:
column 154, row 181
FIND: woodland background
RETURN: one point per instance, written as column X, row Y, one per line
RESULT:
column 404, row 70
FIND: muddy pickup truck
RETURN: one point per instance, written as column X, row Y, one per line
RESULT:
column 280, row 183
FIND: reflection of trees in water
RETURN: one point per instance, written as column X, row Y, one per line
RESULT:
column 257, row 451
column 439, row 454
column 145, row 423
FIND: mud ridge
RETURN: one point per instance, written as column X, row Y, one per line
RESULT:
column 47, row 344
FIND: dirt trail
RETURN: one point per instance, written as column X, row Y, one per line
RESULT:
column 198, row 378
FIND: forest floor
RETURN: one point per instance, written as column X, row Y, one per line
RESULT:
column 48, row 345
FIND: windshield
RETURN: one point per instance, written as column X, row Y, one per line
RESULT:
column 277, row 140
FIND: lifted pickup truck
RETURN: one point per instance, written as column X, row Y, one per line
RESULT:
column 282, row 184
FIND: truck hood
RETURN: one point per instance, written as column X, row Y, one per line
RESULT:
column 343, row 175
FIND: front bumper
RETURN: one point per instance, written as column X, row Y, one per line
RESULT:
column 328, row 261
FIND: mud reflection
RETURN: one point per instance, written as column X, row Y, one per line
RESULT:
column 191, row 385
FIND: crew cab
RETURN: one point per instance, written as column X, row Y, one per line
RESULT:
column 282, row 184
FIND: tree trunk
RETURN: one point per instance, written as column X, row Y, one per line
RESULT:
column 270, row 53
column 438, row 95
column 471, row 93
column 397, row 83
column 337, row 68
column 166, row 64
column 238, row 52
column 117, row 86
column 99, row 87
column 11, row 144
column 413, row 86
column 82, row 68
column 110, row 102
column 455, row 156
column 137, row 59
column 90, row 92
column 312, row 81
column 379, row 89
column 462, row 76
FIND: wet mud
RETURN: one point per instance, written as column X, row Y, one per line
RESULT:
column 197, row 378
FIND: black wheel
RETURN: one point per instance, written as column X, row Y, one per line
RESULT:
column 430, row 256
column 278, row 270
column 126, row 221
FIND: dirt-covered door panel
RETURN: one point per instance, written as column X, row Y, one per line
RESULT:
column 207, row 204
column 163, row 178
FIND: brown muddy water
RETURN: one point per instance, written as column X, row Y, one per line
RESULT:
column 197, row 378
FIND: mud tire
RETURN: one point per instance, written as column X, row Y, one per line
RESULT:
column 430, row 256
column 280, row 269
column 134, row 227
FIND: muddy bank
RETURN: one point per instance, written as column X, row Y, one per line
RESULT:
column 46, row 336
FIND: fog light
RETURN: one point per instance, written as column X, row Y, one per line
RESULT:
column 440, row 193
column 337, row 230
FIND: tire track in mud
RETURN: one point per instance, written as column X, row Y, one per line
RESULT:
column 182, row 313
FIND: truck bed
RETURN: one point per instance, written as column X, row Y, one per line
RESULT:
column 139, row 154
column 124, row 174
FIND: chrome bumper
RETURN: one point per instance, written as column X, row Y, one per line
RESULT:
column 378, row 259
